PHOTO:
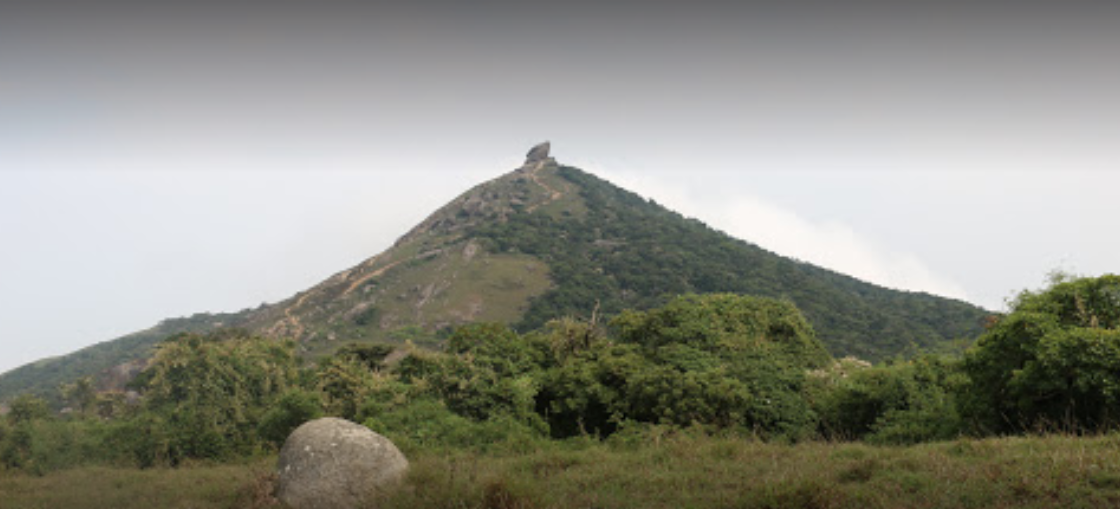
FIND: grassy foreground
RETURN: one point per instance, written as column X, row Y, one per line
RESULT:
column 196, row 487
column 671, row 472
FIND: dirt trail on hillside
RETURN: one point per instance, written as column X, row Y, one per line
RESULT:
column 354, row 286
column 292, row 320
column 554, row 194
column 296, row 326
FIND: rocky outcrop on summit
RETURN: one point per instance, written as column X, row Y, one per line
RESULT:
column 336, row 464
column 495, row 200
column 538, row 153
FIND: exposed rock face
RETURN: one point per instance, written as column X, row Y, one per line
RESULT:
column 335, row 464
column 538, row 153
column 117, row 377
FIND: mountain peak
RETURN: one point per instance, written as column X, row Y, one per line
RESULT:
column 534, row 185
column 545, row 241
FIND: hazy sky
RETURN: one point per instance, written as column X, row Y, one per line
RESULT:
column 156, row 162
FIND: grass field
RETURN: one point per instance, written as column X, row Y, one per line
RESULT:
column 197, row 487
column 673, row 471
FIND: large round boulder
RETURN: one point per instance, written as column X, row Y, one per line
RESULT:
column 335, row 464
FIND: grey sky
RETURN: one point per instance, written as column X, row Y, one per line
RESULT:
column 156, row 163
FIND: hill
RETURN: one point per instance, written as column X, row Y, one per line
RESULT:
column 541, row 242
column 112, row 363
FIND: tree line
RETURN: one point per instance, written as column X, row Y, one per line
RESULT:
column 719, row 363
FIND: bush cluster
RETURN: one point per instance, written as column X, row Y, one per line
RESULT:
column 723, row 363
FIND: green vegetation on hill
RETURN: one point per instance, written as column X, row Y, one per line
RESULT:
column 43, row 378
column 697, row 402
column 730, row 362
column 723, row 363
column 629, row 253
column 541, row 243
column 1053, row 362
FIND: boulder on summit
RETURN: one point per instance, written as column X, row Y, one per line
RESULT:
column 538, row 153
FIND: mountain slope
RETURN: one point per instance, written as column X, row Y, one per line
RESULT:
column 112, row 362
column 436, row 276
column 541, row 242
column 632, row 253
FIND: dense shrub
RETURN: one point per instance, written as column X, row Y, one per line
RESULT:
column 344, row 383
column 207, row 394
column 900, row 403
column 45, row 445
column 290, row 411
column 426, row 423
column 724, row 325
column 26, row 407
column 587, row 393
column 1053, row 362
column 721, row 363
column 727, row 360
column 720, row 360
column 487, row 370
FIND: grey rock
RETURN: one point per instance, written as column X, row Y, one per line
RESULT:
column 336, row 464
column 538, row 153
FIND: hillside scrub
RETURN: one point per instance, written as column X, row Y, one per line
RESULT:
column 724, row 364
column 630, row 253
column 1052, row 363
column 724, row 361
column 900, row 403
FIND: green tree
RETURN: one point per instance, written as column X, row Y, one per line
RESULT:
column 1052, row 362
column 19, row 438
column 210, row 392
column 112, row 405
column 488, row 370
column 345, row 382
column 81, row 395
column 289, row 412
column 26, row 408
column 5, row 433
column 901, row 403
column 721, row 360
column 587, row 393
column 568, row 336
column 724, row 325
column 372, row 355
